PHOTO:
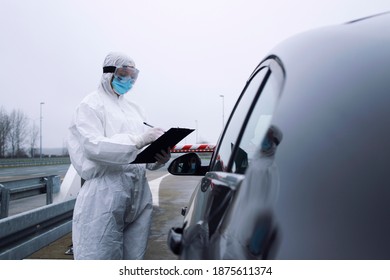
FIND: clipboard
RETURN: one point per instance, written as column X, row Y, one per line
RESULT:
column 168, row 139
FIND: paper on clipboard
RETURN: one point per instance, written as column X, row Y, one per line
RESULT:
column 168, row 140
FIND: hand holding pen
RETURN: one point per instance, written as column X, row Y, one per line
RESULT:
column 164, row 156
column 149, row 136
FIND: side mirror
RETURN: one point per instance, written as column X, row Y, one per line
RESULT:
column 188, row 164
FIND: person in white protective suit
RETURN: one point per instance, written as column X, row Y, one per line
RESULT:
column 250, row 222
column 113, row 210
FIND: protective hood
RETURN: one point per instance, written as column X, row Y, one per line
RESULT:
column 113, row 59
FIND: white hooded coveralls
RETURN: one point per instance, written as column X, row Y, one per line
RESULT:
column 112, row 215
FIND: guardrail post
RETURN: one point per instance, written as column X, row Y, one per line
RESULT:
column 49, row 189
column 5, row 198
column 53, row 184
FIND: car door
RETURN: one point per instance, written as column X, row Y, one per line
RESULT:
column 243, row 133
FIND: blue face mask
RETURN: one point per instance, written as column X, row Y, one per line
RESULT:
column 121, row 86
column 266, row 145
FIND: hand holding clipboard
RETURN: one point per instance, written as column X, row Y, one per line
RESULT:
column 169, row 139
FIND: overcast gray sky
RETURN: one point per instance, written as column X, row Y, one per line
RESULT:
column 188, row 52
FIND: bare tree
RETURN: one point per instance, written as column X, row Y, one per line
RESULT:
column 18, row 132
column 5, row 127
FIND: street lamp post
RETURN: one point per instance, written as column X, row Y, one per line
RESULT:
column 40, row 131
column 223, row 109
column 196, row 130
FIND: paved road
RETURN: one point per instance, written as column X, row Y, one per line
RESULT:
column 173, row 194
column 18, row 173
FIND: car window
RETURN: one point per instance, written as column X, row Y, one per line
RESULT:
column 236, row 121
column 257, row 124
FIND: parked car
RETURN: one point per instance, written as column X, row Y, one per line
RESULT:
column 324, row 191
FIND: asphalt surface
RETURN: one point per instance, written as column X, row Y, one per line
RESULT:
column 19, row 173
column 174, row 194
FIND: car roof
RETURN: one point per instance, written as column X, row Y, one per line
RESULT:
column 338, row 39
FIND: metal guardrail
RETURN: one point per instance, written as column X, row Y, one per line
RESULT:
column 23, row 162
column 13, row 190
column 23, row 234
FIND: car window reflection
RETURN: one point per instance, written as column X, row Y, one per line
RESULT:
column 235, row 125
column 256, row 128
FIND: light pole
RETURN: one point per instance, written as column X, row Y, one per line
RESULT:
column 223, row 109
column 40, row 131
column 196, row 122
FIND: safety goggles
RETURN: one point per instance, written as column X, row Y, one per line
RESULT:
column 122, row 72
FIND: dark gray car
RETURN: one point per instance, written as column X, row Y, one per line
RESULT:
column 302, row 168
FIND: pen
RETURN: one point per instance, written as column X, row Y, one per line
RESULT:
column 148, row 125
